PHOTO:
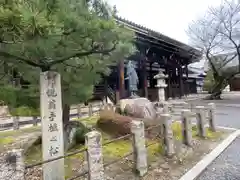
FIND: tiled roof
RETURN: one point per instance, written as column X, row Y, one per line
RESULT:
column 149, row 32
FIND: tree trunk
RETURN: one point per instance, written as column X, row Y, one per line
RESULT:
column 66, row 114
column 217, row 90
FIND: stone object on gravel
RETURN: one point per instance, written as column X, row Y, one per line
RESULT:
column 114, row 123
column 74, row 133
column 138, row 108
column 118, row 125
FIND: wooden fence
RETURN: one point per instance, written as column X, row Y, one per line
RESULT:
column 76, row 112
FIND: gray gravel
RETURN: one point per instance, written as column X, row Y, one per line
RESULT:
column 226, row 166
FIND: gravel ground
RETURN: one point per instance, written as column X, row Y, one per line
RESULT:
column 226, row 166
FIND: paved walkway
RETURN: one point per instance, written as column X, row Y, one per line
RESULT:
column 227, row 165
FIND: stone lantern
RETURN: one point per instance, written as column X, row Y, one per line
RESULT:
column 161, row 85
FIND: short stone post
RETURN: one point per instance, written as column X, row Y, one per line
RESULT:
column 201, row 117
column 186, row 127
column 93, row 141
column 139, row 148
column 185, row 105
column 12, row 166
column 35, row 120
column 212, row 123
column 165, row 107
column 110, row 107
column 15, row 122
column 167, row 135
column 79, row 111
column 90, row 110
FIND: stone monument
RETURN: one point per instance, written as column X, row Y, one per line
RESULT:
column 52, row 125
column 161, row 85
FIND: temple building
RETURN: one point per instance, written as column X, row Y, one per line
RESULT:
column 155, row 52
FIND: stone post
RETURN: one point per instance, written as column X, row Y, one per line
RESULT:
column 52, row 125
column 12, row 166
column 90, row 110
column 161, row 85
column 185, row 105
column 186, row 127
column 201, row 117
column 35, row 120
column 139, row 148
column 110, row 107
column 212, row 111
column 165, row 107
column 79, row 111
column 15, row 122
column 167, row 135
column 93, row 142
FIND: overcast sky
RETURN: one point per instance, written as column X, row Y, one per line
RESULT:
column 169, row 17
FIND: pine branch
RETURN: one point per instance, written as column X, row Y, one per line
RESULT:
column 82, row 54
column 77, row 67
column 26, row 61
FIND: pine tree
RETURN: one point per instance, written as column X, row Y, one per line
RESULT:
column 77, row 38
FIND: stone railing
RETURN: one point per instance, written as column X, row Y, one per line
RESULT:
column 13, row 162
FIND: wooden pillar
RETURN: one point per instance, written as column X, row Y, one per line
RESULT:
column 168, row 72
column 180, row 75
column 173, row 77
column 151, row 76
column 187, row 84
column 145, row 83
column 121, row 80
column 169, row 87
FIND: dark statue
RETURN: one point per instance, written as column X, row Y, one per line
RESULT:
column 132, row 79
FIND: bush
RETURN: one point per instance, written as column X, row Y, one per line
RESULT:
column 114, row 123
column 16, row 97
column 8, row 96
column 80, row 135
column 24, row 111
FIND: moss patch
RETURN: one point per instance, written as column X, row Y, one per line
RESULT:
column 117, row 149
column 20, row 131
column 177, row 132
column 91, row 121
column 154, row 148
column 34, row 154
column 6, row 140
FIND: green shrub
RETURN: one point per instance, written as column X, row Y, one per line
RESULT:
column 24, row 111
column 18, row 98
column 80, row 135
column 8, row 95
